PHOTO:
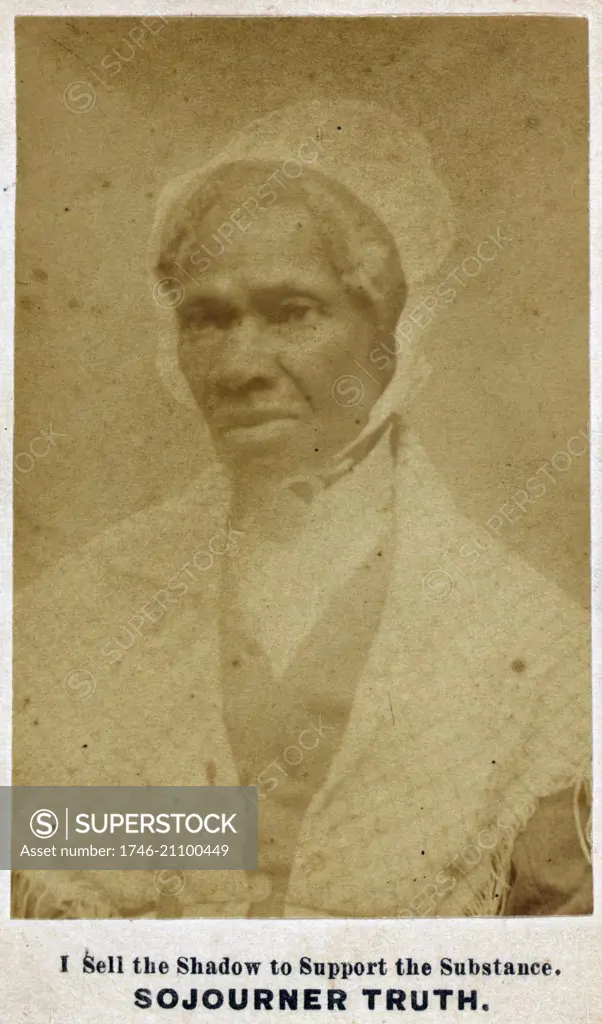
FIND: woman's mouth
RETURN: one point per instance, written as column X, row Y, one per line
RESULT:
column 254, row 417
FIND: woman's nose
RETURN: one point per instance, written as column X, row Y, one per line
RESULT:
column 244, row 357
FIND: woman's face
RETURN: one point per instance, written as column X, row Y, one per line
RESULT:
column 266, row 333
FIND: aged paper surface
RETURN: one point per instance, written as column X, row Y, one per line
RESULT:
column 301, row 479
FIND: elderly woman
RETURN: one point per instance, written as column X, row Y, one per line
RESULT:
column 413, row 756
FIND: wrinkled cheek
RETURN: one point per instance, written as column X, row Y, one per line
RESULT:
column 314, row 371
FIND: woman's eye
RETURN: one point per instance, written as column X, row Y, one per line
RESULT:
column 205, row 319
column 296, row 312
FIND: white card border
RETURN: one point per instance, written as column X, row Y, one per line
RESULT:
column 578, row 940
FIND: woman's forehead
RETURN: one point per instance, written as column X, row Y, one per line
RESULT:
column 283, row 241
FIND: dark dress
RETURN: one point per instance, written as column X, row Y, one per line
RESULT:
column 286, row 750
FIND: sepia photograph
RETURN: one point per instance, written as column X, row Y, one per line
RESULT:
column 301, row 454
